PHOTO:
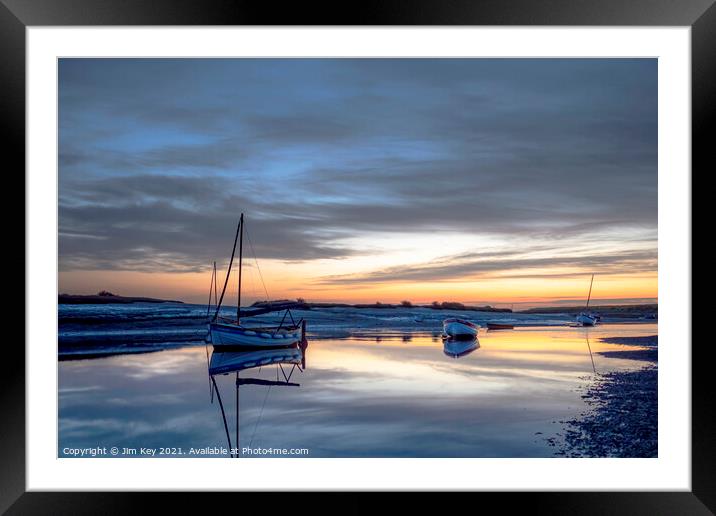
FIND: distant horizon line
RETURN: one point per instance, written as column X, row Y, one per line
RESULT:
column 560, row 301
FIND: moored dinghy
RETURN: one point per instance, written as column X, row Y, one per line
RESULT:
column 460, row 328
column 586, row 319
column 500, row 326
column 229, row 332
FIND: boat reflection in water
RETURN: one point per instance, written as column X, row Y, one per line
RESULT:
column 225, row 361
column 591, row 357
column 457, row 348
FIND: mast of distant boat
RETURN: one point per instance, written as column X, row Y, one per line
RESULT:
column 241, row 252
column 590, row 293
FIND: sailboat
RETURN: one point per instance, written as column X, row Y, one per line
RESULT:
column 587, row 318
column 229, row 332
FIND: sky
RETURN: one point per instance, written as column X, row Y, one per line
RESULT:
column 493, row 181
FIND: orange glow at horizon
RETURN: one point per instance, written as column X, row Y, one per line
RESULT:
column 291, row 281
column 379, row 274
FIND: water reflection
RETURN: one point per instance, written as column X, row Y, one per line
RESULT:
column 586, row 336
column 227, row 362
column 359, row 398
column 457, row 348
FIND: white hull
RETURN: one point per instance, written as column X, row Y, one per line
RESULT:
column 233, row 335
column 586, row 320
column 459, row 329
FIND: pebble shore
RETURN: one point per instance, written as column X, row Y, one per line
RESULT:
column 623, row 408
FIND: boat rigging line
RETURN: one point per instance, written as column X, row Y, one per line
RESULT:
column 261, row 413
column 261, row 276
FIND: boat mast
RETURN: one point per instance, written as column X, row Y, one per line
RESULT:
column 590, row 293
column 212, row 286
column 215, row 292
column 228, row 272
column 241, row 251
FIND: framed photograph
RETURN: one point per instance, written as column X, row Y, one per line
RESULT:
column 415, row 250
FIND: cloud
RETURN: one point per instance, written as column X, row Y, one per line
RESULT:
column 504, row 265
column 175, row 224
column 159, row 157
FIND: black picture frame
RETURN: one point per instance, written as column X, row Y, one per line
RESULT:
column 17, row 15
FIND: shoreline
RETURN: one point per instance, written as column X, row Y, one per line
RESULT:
column 96, row 299
column 622, row 418
column 647, row 312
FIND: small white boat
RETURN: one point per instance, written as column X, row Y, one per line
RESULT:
column 460, row 328
column 459, row 348
column 586, row 318
column 230, row 332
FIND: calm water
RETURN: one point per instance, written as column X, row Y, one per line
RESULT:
column 91, row 330
column 395, row 395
